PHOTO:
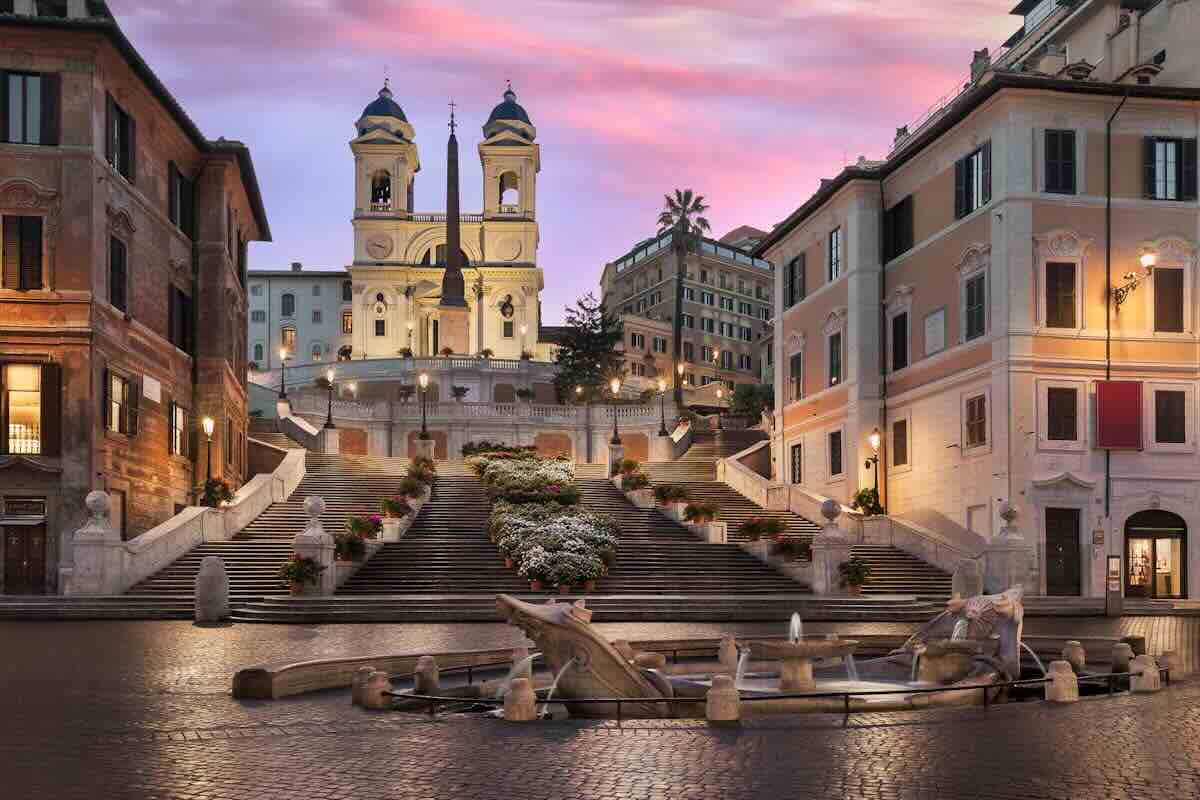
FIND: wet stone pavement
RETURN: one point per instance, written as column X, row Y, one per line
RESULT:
column 106, row 710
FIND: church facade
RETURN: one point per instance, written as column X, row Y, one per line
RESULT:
column 401, row 254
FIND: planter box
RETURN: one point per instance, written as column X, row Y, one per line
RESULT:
column 761, row 550
column 710, row 532
column 642, row 498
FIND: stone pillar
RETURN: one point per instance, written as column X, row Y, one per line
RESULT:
column 520, row 704
column 98, row 553
column 391, row 530
column 330, row 440
column 722, row 706
column 428, row 676
column 1008, row 559
column 1063, row 686
column 1145, row 675
column 967, row 580
column 358, row 684
column 727, row 654
column 662, row 448
column 829, row 549
column 616, row 454
column 1073, row 653
column 313, row 542
column 212, row 591
column 375, row 692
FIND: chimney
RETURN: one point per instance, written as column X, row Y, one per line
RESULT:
column 901, row 135
column 980, row 63
column 297, row 266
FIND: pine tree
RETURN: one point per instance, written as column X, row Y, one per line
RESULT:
column 588, row 355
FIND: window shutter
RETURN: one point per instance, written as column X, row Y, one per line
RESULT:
column 1068, row 161
column 960, row 189
column 987, row 174
column 1187, row 166
column 173, row 193
column 31, row 252
column 172, row 315
column 12, row 252
column 1151, row 178
column 789, row 280
column 105, row 399
column 889, row 232
column 1052, row 177
column 110, row 139
column 171, row 427
column 803, row 275
column 3, row 106
column 131, row 151
column 51, row 108
column 134, row 398
column 52, row 410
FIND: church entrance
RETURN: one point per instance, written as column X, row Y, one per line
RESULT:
column 1156, row 555
column 1062, row 552
column 25, row 559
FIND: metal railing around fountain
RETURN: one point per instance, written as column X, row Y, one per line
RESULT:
column 436, row 702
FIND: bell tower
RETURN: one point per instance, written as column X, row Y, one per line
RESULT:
column 385, row 167
column 511, row 161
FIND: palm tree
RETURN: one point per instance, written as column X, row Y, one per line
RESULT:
column 683, row 212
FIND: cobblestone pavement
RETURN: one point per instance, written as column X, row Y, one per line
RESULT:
column 142, row 710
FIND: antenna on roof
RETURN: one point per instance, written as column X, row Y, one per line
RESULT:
column 453, row 106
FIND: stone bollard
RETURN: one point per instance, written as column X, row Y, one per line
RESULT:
column 722, row 706
column 313, row 542
column 622, row 647
column 1145, row 675
column 358, row 683
column 1173, row 662
column 521, row 654
column 1064, row 686
column 212, row 591
column 1122, row 655
column 727, row 654
column 1073, row 653
column 428, row 677
column 373, row 691
column 829, row 549
column 520, row 704
column 656, row 661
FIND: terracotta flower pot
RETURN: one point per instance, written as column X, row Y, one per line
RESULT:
column 535, row 586
column 508, row 563
column 854, row 590
column 564, row 588
column 296, row 588
column 589, row 586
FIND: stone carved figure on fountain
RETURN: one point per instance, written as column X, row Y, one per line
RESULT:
column 585, row 663
column 987, row 627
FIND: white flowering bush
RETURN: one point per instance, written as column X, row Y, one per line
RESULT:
column 521, row 478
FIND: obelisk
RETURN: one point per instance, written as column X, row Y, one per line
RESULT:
column 453, row 314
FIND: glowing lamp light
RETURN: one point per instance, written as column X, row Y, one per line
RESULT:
column 1148, row 260
column 524, row 329
column 662, row 385
column 615, row 385
column 720, row 393
column 410, row 326
column 353, row 388
column 329, row 375
column 208, row 424
column 874, row 439
column 424, row 380
column 283, row 354
column 578, row 390
column 679, row 369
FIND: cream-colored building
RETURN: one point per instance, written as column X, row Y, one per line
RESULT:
column 975, row 265
column 399, row 252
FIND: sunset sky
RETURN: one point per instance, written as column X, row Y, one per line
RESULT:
column 747, row 102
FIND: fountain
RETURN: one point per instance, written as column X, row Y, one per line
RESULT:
column 796, row 659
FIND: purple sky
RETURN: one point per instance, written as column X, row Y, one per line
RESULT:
column 745, row 101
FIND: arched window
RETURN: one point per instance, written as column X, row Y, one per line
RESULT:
column 510, row 192
column 317, row 351
column 381, row 191
column 437, row 255
column 287, row 340
column 347, row 291
column 258, row 352
column 287, row 305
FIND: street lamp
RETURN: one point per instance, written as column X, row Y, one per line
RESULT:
column 353, row 387
column 662, row 406
column 424, row 381
column 615, row 385
column 720, row 410
column 329, row 384
column 720, row 390
column 409, row 325
column 873, row 461
column 208, row 424
column 1121, row 293
column 283, row 357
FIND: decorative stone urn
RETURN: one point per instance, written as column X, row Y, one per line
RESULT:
column 829, row 549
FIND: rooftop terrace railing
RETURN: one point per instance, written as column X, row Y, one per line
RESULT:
column 707, row 247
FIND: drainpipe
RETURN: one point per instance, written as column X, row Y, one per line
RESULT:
column 883, row 339
column 1108, row 279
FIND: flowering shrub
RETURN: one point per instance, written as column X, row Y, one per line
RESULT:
column 754, row 528
column 670, row 493
column 526, row 479
column 365, row 527
column 494, row 448
column 700, row 513
column 412, row 488
column 423, row 469
column 395, row 507
column 633, row 481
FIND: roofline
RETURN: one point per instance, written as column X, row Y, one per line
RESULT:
column 306, row 273
column 967, row 104
column 110, row 27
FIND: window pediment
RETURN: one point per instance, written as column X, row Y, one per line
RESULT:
column 976, row 256
column 835, row 322
column 1062, row 243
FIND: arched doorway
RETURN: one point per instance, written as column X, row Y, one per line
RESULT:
column 1155, row 555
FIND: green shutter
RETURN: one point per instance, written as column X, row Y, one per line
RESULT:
column 51, row 108
column 52, row 410
column 12, row 252
column 1187, row 169
column 31, row 252
column 1149, row 174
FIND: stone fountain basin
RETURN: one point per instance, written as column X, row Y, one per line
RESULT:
column 805, row 648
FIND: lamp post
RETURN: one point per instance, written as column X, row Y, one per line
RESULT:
column 208, row 424
column 615, row 385
column 283, row 357
column 662, row 407
column 720, row 411
column 424, row 381
column 329, row 385
column 409, row 325
column 873, row 461
column 524, row 330
column 720, row 387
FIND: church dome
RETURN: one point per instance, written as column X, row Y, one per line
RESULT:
column 510, row 110
column 385, row 106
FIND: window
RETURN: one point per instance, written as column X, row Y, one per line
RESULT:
column 287, row 339
column 638, row 369
column 256, row 290
column 899, row 341
column 796, row 375
column 705, row 380
column 117, row 272
column 347, row 322
column 347, row 292
column 898, row 229
column 22, row 404
column 381, row 327
column 689, row 379
column 121, row 405
column 258, row 353
column 119, row 146
column 1168, row 300
column 1170, row 167
column 689, row 351
column 381, row 191
column 704, row 276
column 794, row 285
column 33, row 101
column 900, row 443
column 976, row 421
column 316, row 316
column 726, row 303
column 229, row 440
column 637, row 341
column 689, row 321
column 973, row 181
column 287, row 305
column 1170, row 417
column 835, row 359
column 834, row 256
column 706, row 354
column 180, row 318
column 177, row 436
column 660, row 344
column 1062, row 424
column 742, row 287
column 708, row 325
column 745, row 309
column 745, row 362
column 727, row 329
column 258, row 316
column 708, row 298
column 726, row 359
column 1060, row 295
column 317, row 352
column 723, row 280
column 797, row 462
column 1060, row 162
column 316, row 290
column 835, row 453
column 974, row 307
column 508, row 329
column 689, row 294
column 21, row 252
column 745, row 334
column 181, row 202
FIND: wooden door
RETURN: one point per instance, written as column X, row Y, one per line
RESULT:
column 25, row 559
column 1062, row 552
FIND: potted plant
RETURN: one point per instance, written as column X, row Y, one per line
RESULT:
column 634, row 481
column 867, row 501
column 526, row 355
column 670, row 493
column 853, row 574
column 792, row 549
column 752, row 528
column 395, row 507
column 459, row 392
column 216, row 493
column 348, row 546
column 487, row 352
column 298, row 572
column 700, row 513
column 445, row 352
column 424, row 470
column 525, row 394
column 405, row 352
column 411, row 488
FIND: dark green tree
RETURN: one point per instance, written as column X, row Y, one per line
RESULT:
column 751, row 401
column 588, row 354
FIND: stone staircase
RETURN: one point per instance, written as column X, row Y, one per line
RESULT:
column 349, row 485
column 710, row 446
column 281, row 440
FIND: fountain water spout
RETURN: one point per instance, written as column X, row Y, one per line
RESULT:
column 743, row 661
column 795, row 629
column 546, row 706
column 518, row 669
